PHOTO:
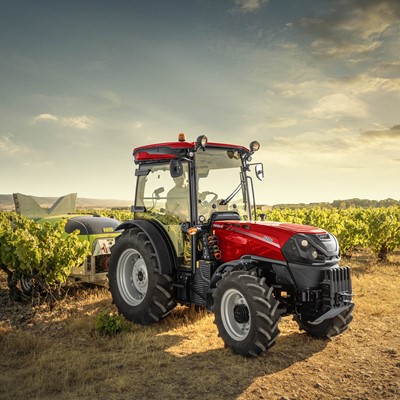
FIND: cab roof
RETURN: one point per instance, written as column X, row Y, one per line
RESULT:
column 172, row 150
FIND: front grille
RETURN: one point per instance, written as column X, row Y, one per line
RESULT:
column 338, row 282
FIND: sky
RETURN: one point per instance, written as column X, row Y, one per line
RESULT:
column 317, row 83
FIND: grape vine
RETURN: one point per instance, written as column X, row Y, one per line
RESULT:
column 43, row 252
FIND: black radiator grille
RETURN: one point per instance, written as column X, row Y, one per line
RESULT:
column 340, row 285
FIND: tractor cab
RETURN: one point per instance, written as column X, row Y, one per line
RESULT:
column 188, row 186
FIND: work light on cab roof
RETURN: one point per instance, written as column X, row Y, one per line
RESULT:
column 196, row 239
column 254, row 146
column 202, row 142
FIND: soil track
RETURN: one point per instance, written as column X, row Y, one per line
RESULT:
column 56, row 354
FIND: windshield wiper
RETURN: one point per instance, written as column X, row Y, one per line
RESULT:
column 224, row 202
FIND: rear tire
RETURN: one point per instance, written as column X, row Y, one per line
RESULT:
column 140, row 292
column 246, row 313
column 328, row 328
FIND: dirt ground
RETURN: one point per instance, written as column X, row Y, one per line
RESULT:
column 56, row 354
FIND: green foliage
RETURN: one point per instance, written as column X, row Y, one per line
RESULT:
column 109, row 323
column 41, row 251
column 384, row 231
column 47, row 253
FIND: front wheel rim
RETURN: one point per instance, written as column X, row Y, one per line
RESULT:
column 237, row 324
column 132, row 277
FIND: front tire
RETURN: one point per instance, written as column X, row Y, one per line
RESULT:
column 246, row 313
column 328, row 328
column 140, row 292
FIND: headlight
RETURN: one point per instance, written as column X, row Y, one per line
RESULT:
column 314, row 254
column 299, row 249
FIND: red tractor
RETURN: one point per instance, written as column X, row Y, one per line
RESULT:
column 195, row 240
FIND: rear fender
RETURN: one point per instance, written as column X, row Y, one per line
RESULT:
column 165, row 252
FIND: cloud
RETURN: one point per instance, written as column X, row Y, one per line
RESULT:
column 78, row 122
column 281, row 122
column 7, row 146
column 329, row 47
column 293, row 89
column 366, row 82
column 389, row 67
column 44, row 117
column 347, row 146
column 249, row 6
column 313, row 143
column 338, row 105
column 389, row 133
column 352, row 28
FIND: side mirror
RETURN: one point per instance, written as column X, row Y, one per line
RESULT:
column 176, row 168
column 259, row 169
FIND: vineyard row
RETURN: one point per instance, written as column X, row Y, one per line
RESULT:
column 24, row 244
column 376, row 229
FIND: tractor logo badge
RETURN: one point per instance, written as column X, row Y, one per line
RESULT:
column 217, row 226
column 268, row 239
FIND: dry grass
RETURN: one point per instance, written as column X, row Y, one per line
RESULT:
column 56, row 354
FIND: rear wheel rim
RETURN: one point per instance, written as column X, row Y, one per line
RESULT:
column 237, row 324
column 132, row 277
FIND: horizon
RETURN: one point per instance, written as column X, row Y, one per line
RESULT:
column 257, row 203
column 316, row 83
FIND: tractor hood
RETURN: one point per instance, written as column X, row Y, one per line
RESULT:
column 267, row 239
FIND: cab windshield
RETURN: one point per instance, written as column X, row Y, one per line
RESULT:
column 221, row 184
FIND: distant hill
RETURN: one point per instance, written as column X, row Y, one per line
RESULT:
column 7, row 202
column 343, row 204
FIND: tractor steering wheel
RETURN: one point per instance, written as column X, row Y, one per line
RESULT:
column 204, row 206
column 203, row 196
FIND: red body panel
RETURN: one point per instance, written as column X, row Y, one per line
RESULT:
column 172, row 145
column 264, row 239
column 144, row 156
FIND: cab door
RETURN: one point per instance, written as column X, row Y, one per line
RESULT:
column 165, row 199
